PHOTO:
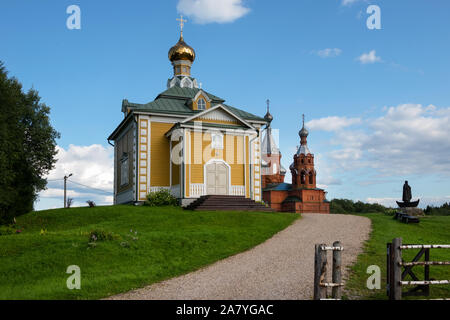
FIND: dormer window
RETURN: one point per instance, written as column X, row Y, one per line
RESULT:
column 201, row 104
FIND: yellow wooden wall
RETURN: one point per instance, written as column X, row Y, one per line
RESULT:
column 160, row 155
column 175, row 168
column 247, row 168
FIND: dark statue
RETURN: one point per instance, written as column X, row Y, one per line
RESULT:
column 406, row 192
column 407, row 196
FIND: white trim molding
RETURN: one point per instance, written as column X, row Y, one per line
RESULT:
column 156, row 189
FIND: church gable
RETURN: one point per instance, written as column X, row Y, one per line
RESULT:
column 218, row 115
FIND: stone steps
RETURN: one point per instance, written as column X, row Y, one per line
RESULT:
column 226, row 203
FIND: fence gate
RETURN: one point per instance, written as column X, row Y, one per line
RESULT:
column 320, row 271
column 396, row 276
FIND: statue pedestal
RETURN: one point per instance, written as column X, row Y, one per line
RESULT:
column 415, row 212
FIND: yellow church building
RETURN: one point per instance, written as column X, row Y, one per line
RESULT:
column 187, row 141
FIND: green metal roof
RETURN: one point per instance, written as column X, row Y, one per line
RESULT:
column 175, row 101
column 186, row 93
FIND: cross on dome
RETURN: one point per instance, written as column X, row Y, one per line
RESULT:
column 182, row 21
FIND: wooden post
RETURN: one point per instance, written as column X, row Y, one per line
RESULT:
column 336, row 275
column 320, row 272
column 389, row 269
column 395, row 286
column 426, row 290
column 65, row 192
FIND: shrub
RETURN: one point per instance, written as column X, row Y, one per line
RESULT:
column 69, row 202
column 5, row 230
column 349, row 206
column 161, row 198
column 91, row 203
column 100, row 235
column 443, row 210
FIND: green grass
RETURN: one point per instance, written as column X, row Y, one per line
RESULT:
column 430, row 230
column 170, row 242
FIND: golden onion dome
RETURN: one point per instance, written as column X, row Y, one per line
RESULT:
column 181, row 51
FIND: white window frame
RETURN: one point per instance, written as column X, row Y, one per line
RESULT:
column 204, row 104
column 217, row 141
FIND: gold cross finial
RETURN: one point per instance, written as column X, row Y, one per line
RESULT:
column 182, row 21
column 303, row 119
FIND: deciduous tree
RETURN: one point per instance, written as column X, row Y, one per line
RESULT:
column 27, row 147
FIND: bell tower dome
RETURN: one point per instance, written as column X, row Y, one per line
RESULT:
column 302, row 169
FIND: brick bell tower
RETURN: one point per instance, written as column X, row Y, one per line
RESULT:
column 302, row 169
column 302, row 196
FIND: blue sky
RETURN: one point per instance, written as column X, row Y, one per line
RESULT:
column 376, row 101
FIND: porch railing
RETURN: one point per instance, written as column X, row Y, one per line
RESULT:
column 199, row 189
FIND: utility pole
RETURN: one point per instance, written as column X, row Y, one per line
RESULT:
column 65, row 188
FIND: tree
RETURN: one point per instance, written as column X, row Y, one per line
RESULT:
column 27, row 147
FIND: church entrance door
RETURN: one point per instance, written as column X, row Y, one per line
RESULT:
column 217, row 178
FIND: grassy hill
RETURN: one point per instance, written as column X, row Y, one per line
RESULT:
column 169, row 242
column 430, row 230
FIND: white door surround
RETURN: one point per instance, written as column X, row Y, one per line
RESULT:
column 217, row 177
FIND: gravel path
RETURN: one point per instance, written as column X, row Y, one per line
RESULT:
column 280, row 268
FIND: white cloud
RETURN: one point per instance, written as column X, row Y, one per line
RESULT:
column 348, row 2
column 208, row 11
column 332, row 123
column 91, row 166
column 370, row 57
column 407, row 139
column 328, row 52
column 387, row 202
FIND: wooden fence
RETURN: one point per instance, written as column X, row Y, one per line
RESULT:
column 396, row 276
column 320, row 271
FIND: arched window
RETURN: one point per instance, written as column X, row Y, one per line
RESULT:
column 275, row 168
column 311, row 178
column 201, row 104
column 302, row 178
